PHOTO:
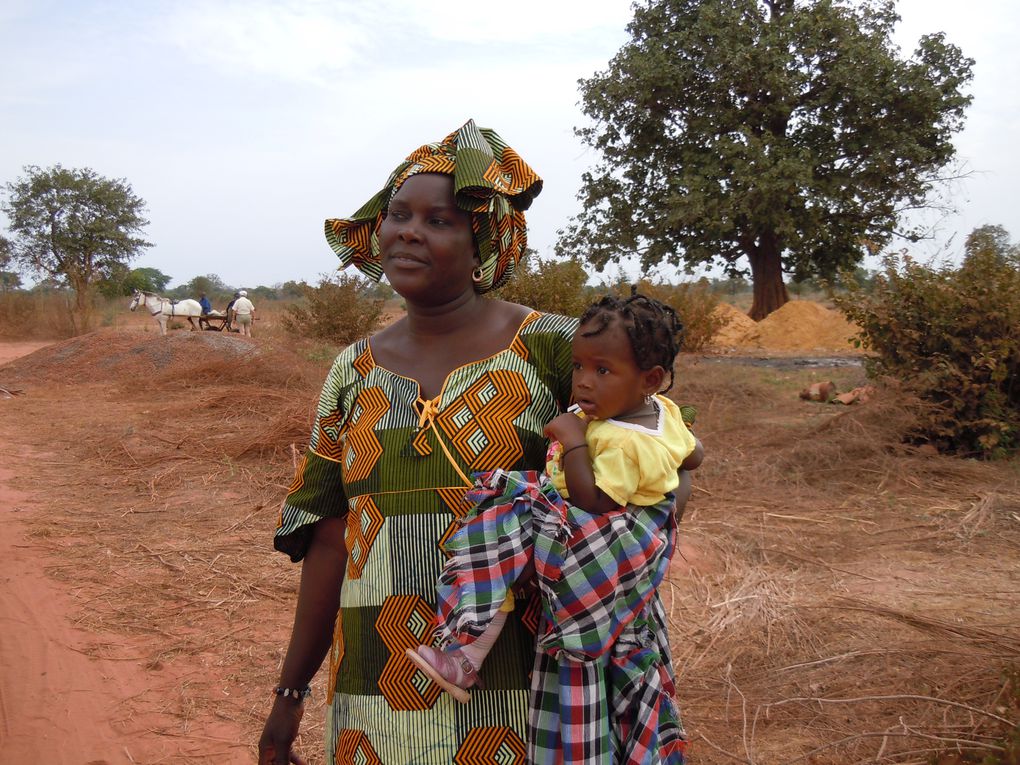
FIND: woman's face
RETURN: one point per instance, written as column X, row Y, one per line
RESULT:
column 427, row 247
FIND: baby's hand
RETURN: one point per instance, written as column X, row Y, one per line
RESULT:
column 568, row 429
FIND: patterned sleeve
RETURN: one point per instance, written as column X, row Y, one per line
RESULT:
column 550, row 338
column 317, row 491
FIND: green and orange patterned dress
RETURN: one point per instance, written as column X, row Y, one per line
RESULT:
column 399, row 467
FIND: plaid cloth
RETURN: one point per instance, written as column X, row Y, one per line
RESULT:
column 618, row 709
column 602, row 687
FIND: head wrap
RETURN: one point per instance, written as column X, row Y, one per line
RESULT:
column 490, row 181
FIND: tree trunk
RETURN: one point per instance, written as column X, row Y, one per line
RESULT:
column 81, row 314
column 766, row 276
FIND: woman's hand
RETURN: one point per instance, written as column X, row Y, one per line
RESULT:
column 322, row 573
column 279, row 733
column 568, row 429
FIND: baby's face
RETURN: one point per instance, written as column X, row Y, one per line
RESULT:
column 607, row 381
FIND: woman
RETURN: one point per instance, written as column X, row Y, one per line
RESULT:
column 461, row 384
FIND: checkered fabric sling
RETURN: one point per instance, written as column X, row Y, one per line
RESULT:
column 602, row 687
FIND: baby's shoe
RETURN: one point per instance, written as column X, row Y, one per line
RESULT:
column 450, row 671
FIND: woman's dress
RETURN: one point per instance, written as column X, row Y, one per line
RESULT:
column 399, row 467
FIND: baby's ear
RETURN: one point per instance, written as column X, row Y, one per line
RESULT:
column 653, row 379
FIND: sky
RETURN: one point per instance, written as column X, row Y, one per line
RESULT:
column 244, row 124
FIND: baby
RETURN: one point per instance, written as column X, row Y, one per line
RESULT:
column 594, row 525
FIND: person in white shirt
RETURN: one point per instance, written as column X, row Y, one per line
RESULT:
column 244, row 314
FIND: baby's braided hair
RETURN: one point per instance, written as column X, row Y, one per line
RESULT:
column 654, row 330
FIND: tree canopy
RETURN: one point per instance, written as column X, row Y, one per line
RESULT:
column 993, row 241
column 790, row 133
column 74, row 226
column 124, row 280
column 9, row 280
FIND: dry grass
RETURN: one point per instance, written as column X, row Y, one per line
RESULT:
column 860, row 601
column 849, row 599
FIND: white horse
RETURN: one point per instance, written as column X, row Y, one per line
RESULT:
column 163, row 308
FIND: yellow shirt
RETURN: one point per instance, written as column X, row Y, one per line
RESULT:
column 633, row 464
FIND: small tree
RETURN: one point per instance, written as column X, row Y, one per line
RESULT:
column 210, row 284
column 992, row 242
column 337, row 311
column 74, row 226
column 124, row 281
column 147, row 280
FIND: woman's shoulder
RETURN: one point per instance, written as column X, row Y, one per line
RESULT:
column 553, row 325
column 351, row 362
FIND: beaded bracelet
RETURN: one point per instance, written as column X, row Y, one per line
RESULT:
column 295, row 693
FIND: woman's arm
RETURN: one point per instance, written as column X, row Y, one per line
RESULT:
column 684, row 489
column 318, row 601
column 695, row 458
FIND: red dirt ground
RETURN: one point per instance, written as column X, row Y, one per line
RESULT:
column 69, row 695
column 837, row 594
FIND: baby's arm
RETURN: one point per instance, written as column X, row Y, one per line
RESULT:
column 569, row 430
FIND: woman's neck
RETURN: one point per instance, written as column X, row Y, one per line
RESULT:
column 433, row 322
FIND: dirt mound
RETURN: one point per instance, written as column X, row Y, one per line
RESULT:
column 800, row 325
column 739, row 329
column 116, row 354
column 803, row 325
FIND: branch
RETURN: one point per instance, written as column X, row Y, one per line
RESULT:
column 969, row 708
column 907, row 734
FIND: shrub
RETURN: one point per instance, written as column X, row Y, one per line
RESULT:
column 337, row 311
column 951, row 336
column 694, row 303
column 36, row 314
column 548, row 285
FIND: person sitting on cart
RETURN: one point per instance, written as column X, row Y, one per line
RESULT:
column 206, row 305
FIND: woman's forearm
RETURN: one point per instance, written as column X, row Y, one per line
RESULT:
column 318, row 601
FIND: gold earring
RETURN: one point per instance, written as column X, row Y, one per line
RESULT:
column 477, row 275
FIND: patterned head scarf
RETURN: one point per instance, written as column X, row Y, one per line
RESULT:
column 490, row 181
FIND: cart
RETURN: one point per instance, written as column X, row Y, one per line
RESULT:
column 215, row 322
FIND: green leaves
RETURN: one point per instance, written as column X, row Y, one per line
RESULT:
column 74, row 226
column 951, row 335
column 773, row 131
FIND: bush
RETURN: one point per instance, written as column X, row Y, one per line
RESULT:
column 951, row 336
column 548, row 285
column 694, row 303
column 337, row 311
column 39, row 314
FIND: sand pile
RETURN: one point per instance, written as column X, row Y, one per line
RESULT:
column 800, row 325
column 739, row 329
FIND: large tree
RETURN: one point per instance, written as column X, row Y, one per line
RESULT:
column 791, row 133
column 74, row 226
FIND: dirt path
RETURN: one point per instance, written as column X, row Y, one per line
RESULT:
column 13, row 350
column 58, row 702
column 70, row 695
